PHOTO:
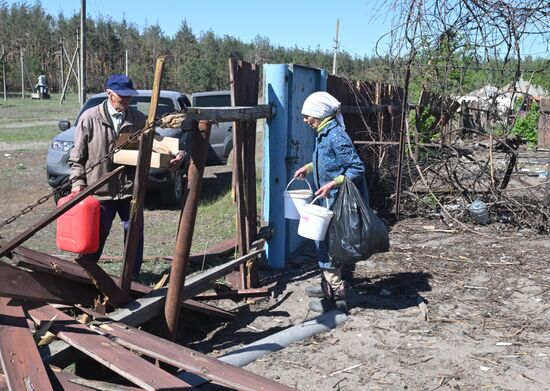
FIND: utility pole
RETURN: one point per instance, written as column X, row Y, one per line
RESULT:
column 61, row 63
column 22, row 75
column 4, row 72
column 336, row 46
column 82, row 52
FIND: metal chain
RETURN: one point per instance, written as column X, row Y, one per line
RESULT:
column 131, row 139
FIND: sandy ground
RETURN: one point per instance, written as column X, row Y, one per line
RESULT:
column 446, row 308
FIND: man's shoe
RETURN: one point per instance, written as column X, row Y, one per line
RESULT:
column 315, row 291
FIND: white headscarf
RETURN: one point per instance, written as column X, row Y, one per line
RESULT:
column 321, row 105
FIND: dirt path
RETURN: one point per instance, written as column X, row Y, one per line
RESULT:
column 487, row 313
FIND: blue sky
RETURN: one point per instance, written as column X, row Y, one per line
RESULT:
column 302, row 23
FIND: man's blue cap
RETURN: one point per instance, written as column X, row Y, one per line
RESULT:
column 121, row 84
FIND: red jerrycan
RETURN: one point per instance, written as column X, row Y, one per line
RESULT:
column 77, row 229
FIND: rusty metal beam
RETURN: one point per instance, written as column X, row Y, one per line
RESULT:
column 244, row 87
column 21, row 284
column 10, row 245
column 128, row 365
column 35, row 260
column 140, row 183
column 21, row 362
column 174, row 295
column 149, row 306
column 187, row 359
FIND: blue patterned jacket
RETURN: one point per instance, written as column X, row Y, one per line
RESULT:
column 335, row 155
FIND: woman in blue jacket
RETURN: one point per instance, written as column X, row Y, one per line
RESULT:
column 333, row 160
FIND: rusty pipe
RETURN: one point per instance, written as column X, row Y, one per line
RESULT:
column 199, row 148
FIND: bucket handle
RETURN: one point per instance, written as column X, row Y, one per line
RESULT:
column 293, row 179
column 316, row 198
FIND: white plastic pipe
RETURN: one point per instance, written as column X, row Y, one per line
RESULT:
column 282, row 339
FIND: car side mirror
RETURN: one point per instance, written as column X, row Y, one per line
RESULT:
column 64, row 125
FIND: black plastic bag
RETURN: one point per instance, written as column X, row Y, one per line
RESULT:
column 355, row 231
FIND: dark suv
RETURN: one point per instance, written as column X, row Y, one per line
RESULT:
column 170, row 184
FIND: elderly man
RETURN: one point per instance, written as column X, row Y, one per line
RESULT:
column 96, row 135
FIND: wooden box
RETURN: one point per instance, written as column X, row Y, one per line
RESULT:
column 164, row 150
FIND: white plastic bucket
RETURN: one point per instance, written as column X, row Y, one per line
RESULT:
column 295, row 200
column 314, row 221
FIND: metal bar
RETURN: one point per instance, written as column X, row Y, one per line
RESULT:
column 21, row 284
column 174, row 294
column 49, row 264
column 21, row 362
column 10, row 245
column 140, row 183
column 187, row 359
column 133, row 368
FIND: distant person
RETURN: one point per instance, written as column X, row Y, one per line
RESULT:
column 42, row 86
column 334, row 159
column 96, row 135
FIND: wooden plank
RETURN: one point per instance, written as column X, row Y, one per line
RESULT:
column 130, row 366
column 187, row 359
column 21, row 284
column 45, row 263
column 217, row 114
column 105, row 283
column 21, row 362
column 135, row 226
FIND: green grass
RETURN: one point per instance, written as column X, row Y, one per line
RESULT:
column 34, row 120
column 28, row 134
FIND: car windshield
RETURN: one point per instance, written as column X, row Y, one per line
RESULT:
column 140, row 102
column 213, row 101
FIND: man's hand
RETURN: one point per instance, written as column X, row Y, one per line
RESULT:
column 77, row 189
column 325, row 189
column 301, row 173
column 176, row 162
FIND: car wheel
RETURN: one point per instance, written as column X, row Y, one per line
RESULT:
column 173, row 194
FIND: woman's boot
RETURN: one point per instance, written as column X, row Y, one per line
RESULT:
column 335, row 290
